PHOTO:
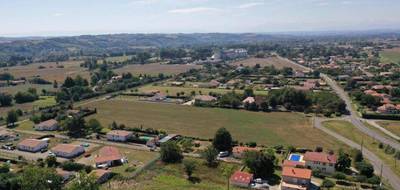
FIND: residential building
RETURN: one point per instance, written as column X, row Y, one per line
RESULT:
column 102, row 175
column 66, row 175
column 32, row 145
column 249, row 100
column 67, row 150
column 241, row 179
column 119, row 135
column 108, row 156
column 320, row 161
column 49, row 125
column 204, row 98
column 6, row 135
column 295, row 178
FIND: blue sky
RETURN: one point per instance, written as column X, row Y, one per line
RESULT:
column 73, row 17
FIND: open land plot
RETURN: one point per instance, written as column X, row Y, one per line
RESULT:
column 276, row 128
column 171, row 90
column 347, row 130
column 172, row 176
column 392, row 126
column 51, row 72
column 43, row 101
column 390, row 55
column 24, row 87
column 156, row 68
column 277, row 62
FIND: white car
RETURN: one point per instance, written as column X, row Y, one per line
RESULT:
column 223, row 154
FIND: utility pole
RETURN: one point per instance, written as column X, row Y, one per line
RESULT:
column 380, row 184
column 362, row 143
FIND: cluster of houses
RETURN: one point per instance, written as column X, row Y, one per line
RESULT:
column 296, row 169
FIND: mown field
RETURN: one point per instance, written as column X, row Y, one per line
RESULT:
column 171, row 90
column 172, row 176
column 277, row 62
column 390, row 55
column 392, row 126
column 156, row 68
column 347, row 130
column 264, row 128
column 50, row 73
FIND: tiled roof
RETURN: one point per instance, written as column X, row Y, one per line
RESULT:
column 296, row 172
column 241, row 177
column 320, row 157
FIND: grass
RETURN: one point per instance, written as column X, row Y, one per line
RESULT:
column 42, row 102
column 347, row 130
column 276, row 128
column 390, row 55
column 187, row 90
column 45, row 101
column 277, row 62
column 24, row 87
column 156, row 68
column 172, row 176
column 392, row 126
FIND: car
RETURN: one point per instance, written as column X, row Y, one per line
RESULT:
column 43, row 150
column 5, row 147
column 85, row 144
column 223, row 154
column 51, row 153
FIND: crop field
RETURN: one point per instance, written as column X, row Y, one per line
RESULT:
column 347, row 130
column 277, row 128
column 277, row 62
column 390, row 55
column 171, row 90
column 172, row 176
column 156, row 68
column 50, row 72
column 392, row 126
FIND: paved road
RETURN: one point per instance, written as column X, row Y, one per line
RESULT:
column 354, row 118
column 387, row 173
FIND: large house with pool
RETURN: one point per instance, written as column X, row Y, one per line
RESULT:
column 313, row 160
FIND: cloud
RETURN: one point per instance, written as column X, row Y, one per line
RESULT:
column 194, row 10
column 58, row 14
column 250, row 5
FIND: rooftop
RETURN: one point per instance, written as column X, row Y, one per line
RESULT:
column 296, row 172
column 320, row 157
column 241, row 177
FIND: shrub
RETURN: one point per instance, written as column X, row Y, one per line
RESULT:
column 327, row 183
column 339, row 175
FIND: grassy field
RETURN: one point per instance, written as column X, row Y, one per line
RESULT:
column 347, row 130
column 172, row 176
column 171, row 90
column 51, row 72
column 156, row 68
column 263, row 128
column 277, row 62
column 24, row 87
column 390, row 55
column 42, row 102
column 392, row 126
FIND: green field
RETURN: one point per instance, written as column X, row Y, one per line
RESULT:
column 390, row 55
column 187, row 90
column 392, row 126
column 24, row 87
column 347, row 130
column 172, row 176
column 264, row 128
column 43, row 101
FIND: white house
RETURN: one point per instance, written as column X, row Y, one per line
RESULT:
column 119, row 135
column 320, row 161
column 67, row 150
column 49, row 125
column 32, row 145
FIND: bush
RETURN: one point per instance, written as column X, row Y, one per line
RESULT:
column 339, row 175
column 365, row 169
column 171, row 153
column 72, row 166
column 327, row 183
column 374, row 180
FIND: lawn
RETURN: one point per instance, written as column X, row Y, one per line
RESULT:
column 156, row 68
column 187, row 90
column 347, row 130
column 277, row 62
column 392, row 126
column 276, row 128
column 172, row 176
column 390, row 55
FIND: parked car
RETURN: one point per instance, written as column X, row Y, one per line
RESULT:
column 43, row 150
column 223, row 154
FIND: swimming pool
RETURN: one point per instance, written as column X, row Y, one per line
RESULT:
column 295, row 157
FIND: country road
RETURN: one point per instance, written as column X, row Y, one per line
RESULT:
column 387, row 173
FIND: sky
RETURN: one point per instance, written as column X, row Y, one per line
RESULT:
column 77, row 17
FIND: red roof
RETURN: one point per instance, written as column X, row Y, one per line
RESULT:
column 320, row 157
column 241, row 177
column 296, row 172
column 108, row 153
column 67, row 148
column 290, row 163
column 31, row 143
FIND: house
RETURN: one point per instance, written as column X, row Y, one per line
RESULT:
column 32, row 145
column 101, row 175
column 158, row 97
column 320, row 161
column 6, row 135
column 388, row 109
column 204, row 98
column 49, row 125
column 249, row 100
column 291, row 163
column 241, row 179
column 213, row 84
column 66, row 175
column 238, row 151
column 108, row 156
column 67, row 150
column 119, row 135
column 295, row 178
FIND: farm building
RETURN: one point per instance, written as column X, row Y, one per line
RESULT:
column 241, row 179
column 108, row 157
column 67, row 150
column 168, row 138
column 119, row 135
column 49, row 125
column 32, row 145
column 295, row 178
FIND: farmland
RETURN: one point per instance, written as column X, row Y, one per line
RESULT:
column 264, row 128
column 42, row 102
column 24, row 87
column 277, row 62
column 390, row 55
column 156, row 68
column 392, row 126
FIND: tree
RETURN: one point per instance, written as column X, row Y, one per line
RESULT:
column 94, row 125
column 227, row 171
column 248, row 92
column 55, row 84
column 365, row 169
column 343, row 161
column 75, row 126
column 5, row 99
column 189, row 166
column 210, row 155
column 51, row 161
column 260, row 164
column 34, row 177
column 12, row 117
column 84, row 182
column 222, row 140
column 171, row 153
column 357, row 155
column 327, row 184
column 69, row 82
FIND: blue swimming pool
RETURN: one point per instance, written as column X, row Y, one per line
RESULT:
column 295, row 157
